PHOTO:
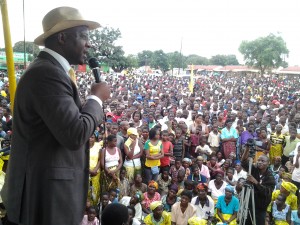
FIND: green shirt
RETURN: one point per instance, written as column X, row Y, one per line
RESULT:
column 289, row 145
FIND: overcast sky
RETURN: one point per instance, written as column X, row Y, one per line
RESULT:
column 206, row 27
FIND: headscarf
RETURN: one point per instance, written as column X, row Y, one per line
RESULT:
column 154, row 205
column 132, row 130
column 220, row 172
column 187, row 160
column 196, row 221
column 174, row 188
column 290, row 187
column 202, row 186
column 153, row 183
column 229, row 188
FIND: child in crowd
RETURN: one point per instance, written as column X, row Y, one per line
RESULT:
column 113, row 195
column 186, row 162
column 167, row 148
column 214, row 139
column 203, row 149
column 163, row 180
column 138, row 185
column 124, row 185
column 230, row 179
column 213, row 166
column 176, row 168
column 178, row 144
column 104, row 202
column 195, row 140
column 90, row 218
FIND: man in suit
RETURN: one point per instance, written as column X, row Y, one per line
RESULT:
column 48, row 171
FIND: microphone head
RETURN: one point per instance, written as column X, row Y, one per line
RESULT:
column 93, row 63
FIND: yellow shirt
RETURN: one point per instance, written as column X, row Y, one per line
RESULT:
column 153, row 150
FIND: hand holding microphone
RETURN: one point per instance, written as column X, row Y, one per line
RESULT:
column 100, row 89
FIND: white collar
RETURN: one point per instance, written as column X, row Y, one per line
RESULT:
column 62, row 61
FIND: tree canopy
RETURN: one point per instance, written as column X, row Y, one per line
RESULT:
column 265, row 53
column 104, row 48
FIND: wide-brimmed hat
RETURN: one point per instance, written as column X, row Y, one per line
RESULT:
column 60, row 19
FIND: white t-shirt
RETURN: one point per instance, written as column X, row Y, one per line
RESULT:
column 296, row 171
column 215, row 193
column 242, row 174
column 137, row 162
column 207, row 210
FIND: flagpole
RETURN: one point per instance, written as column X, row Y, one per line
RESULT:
column 9, row 53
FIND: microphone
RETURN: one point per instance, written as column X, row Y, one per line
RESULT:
column 94, row 65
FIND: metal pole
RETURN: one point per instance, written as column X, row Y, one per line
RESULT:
column 9, row 53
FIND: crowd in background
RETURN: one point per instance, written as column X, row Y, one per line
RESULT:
column 173, row 156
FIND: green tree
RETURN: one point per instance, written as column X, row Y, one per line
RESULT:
column 132, row 61
column 175, row 59
column 159, row 60
column 105, row 49
column 218, row 60
column 231, row 60
column 144, row 58
column 196, row 60
column 265, row 53
column 31, row 48
column 223, row 60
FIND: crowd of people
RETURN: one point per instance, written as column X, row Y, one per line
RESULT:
column 173, row 156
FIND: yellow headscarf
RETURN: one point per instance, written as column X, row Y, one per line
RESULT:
column 153, row 183
column 154, row 205
column 196, row 221
column 290, row 187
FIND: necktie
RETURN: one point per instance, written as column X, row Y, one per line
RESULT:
column 72, row 75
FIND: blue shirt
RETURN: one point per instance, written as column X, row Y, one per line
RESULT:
column 295, row 218
column 232, row 133
column 231, row 208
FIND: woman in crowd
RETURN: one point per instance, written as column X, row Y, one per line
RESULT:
column 221, row 121
column 183, row 210
column 150, row 196
column 289, row 190
column 229, row 136
column 111, row 163
column 217, row 186
column 153, row 152
column 137, row 119
column 198, row 123
column 158, row 215
column 133, row 149
column 227, row 207
column 171, row 198
column 94, row 190
column 279, row 213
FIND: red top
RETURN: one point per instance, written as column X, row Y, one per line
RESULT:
column 165, row 161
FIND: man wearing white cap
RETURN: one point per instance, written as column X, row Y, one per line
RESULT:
column 48, row 171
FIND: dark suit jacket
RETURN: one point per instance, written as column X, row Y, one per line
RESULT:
column 48, row 171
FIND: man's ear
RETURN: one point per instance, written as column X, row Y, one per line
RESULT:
column 61, row 38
